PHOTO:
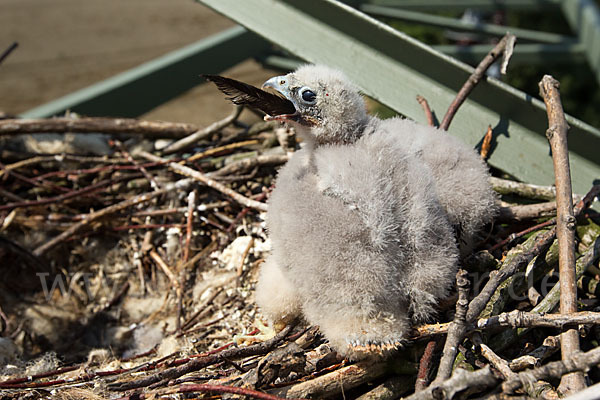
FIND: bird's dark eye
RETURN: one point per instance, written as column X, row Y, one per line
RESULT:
column 308, row 95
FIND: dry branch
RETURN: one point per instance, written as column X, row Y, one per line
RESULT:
column 108, row 211
column 500, row 49
column 565, row 221
column 189, row 172
column 457, row 329
column 190, row 140
column 152, row 129
column 428, row 114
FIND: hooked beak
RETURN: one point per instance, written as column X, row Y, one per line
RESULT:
column 281, row 85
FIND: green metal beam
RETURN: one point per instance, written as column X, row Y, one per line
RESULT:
column 464, row 26
column 584, row 18
column 141, row 89
column 545, row 54
column 461, row 5
column 540, row 54
column 393, row 68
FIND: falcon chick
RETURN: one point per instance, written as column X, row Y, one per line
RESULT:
column 361, row 219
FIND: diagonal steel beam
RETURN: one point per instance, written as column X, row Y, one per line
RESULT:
column 584, row 18
column 464, row 26
column 393, row 68
column 461, row 5
column 142, row 88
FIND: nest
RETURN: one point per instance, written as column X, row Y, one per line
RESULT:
column 130, row 275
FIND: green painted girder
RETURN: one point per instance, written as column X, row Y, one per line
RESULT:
column 461, row 5
column 545, row 54
column 584, row 18
column 393, row 68
column 142, row 88
column 464, row 26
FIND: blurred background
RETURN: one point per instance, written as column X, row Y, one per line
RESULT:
column 66, row 45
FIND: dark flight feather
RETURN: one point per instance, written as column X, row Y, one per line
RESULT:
column 241, row 93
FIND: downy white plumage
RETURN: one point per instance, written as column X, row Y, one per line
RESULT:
column 362, row 220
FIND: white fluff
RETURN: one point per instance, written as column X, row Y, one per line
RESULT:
column 362, row 223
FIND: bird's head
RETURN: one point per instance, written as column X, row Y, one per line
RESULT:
column 329, row 108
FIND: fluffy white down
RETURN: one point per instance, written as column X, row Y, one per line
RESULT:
column 362, row 225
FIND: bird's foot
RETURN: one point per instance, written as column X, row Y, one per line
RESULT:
column 265, row 332
column 372, row 347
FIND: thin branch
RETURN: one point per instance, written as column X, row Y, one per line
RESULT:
column 486, row 145
column 192, row 139
column 457, row 329
column 425, row 365
column 189, row 172
column 565, row 222
column 428, row 114
column 9, row 50
column 476, row 77
column 142, row 198
column 478, row 304
column 201, row 362
column 153, row 129
column 527, row 211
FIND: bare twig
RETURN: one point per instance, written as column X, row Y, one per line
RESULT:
column 428, row 114
column 565, row 222
column 190, row 140
column 475, row 77
column 425, row 365
column 486, row 144
column 201, row 362
column 456, row 330
column 154, row 129
column 497, row 277
column 107, row 211
column 334, row 383
column 7, row 52
column 248, row 163
column 189, row 172
column 527, row 211
column 497, row 362
column 527, row 190
column 220, row 149
column 521, row 319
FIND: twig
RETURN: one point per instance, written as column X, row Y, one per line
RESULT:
column 189, row 172
column 220, row 149
column 522, row 319
column 153, row 129
column 153, row 183
column 527, row 211
column 534, row 359
column 527, row 190
column 203, row 387
column 189, row 225
column 565, row 222
column 142, row 198
column 486, row 144
column 461, row 379
column 475, row 77
column 428, row 114
column 425, row 365
column 190, row 140
column 199, row 363
column 334, row 383
column 391, row 389
column 497, row 362
column 246, row 164
column 577, row 362
column 497, row 277
column 517, row 235
column 456, row 330
column 9, row 50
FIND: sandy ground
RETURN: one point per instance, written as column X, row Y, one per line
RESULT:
column 65, row 45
